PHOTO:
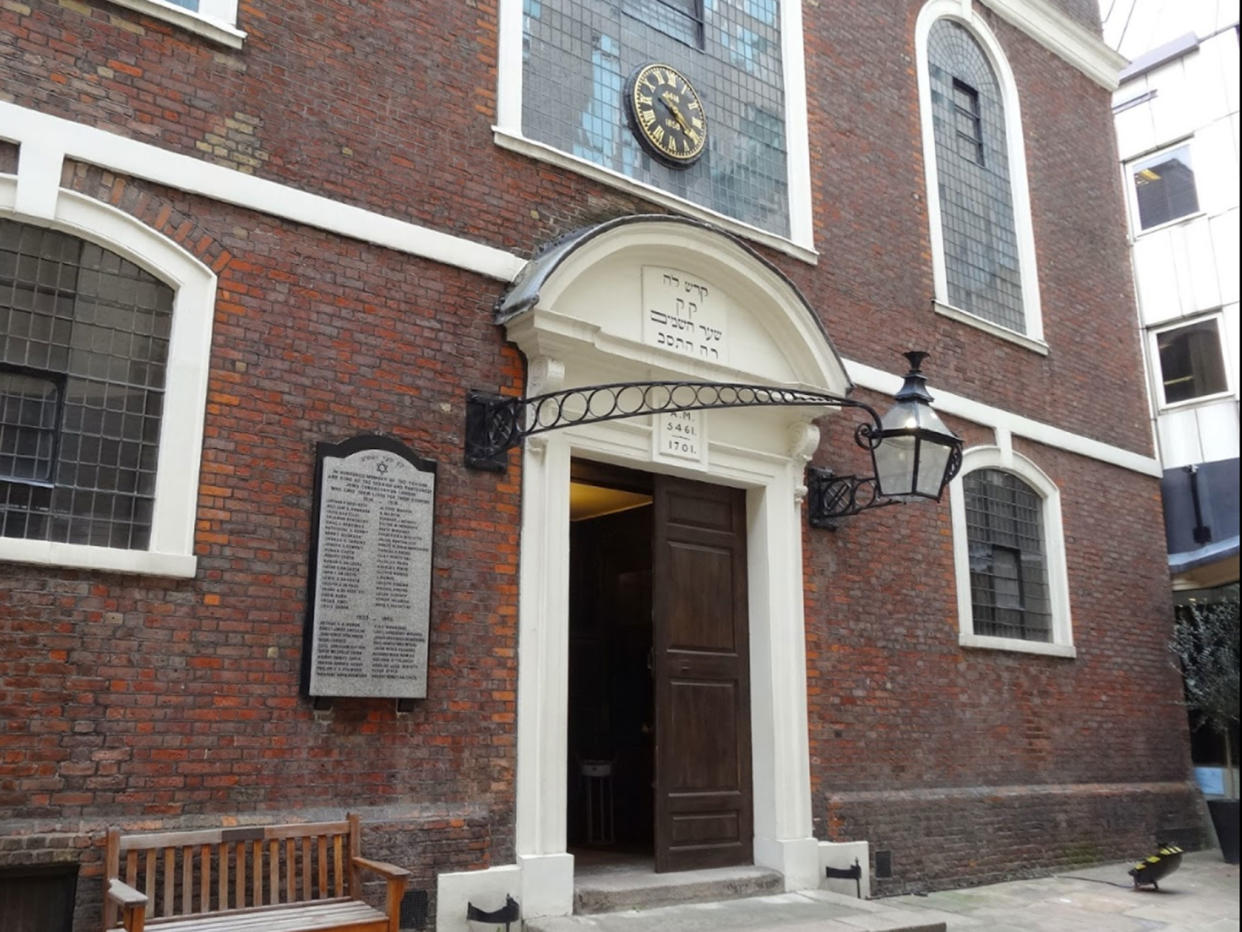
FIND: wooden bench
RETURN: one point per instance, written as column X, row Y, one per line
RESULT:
column 278, row 878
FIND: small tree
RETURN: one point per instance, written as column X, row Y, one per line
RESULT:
column 1205, row 641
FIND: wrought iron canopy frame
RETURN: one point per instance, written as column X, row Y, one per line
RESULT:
column 495, row 424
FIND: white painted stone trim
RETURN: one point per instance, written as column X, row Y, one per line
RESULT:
column 559, row 338
column 1015, row 142
column 171, row 550
column 545, row 153
column 1004, row 458
column 801, row 241
column 187, row 173
column 127, row 156
column 214, row 19
column 1001, row 333
column 1064, row 37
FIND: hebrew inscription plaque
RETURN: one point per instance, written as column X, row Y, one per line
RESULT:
column 371, row 565
column 682, row 314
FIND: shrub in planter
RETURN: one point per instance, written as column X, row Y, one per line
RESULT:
column 1205, row 642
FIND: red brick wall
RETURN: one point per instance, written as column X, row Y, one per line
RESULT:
column 151, row 702
column 148, row 701
column 965, row 739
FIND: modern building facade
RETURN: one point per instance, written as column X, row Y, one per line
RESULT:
column 1176, row 113
column 235, row 237
column 1177, row 119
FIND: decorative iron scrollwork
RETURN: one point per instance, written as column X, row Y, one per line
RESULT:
column 497, row 423
column 830, row 497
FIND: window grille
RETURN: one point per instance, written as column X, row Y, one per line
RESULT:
column 1008, row 569
column 982, row 268
column 83, row 348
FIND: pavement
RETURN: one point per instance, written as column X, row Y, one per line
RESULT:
column 1201, row 896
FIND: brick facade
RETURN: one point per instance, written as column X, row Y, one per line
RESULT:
column 151, row 703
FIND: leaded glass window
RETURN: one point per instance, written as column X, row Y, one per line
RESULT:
column 83, row 348
column 982, row 267
column 1008, row 567
column 578, row 54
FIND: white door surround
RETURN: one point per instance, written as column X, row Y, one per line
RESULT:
column 651, row 298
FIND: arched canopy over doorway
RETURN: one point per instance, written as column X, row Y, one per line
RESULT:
column 652, row 298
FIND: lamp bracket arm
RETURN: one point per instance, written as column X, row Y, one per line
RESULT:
column 496, row 424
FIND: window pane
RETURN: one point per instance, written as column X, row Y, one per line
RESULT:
column 1190, row 362
column 1008, row 572
column 28, row 413
column 1165, row 188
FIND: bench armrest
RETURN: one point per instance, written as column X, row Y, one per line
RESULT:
column 391, row 871
column 396, row 878
column 124, row 894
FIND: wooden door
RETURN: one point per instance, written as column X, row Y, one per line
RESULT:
column 704, row 810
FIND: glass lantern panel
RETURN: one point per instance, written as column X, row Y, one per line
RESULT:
column 894, row 465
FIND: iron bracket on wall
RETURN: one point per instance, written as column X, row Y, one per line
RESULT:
column 830, row 497
column 496, row 424
column 510, row 913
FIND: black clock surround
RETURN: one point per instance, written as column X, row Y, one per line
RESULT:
column 666, row 115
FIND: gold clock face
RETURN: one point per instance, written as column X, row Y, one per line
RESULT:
column 666, row 114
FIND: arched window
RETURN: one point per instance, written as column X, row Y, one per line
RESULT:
column 105, row 336
column 1010, row 555
column 83, row 354
column 982, row 242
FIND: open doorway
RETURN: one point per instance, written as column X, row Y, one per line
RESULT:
column 611, row 691
column 659, row 708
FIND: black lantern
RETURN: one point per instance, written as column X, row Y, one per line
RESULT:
column 913, row 454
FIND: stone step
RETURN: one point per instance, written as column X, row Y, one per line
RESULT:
column 608, row 889
column 805, row 911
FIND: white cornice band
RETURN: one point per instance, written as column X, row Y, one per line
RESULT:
column 1063, row 36
column 43, row 134
column 186, row 173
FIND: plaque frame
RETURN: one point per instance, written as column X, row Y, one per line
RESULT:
column 324, row 450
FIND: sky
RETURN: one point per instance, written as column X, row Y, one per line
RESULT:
column 1133, row 27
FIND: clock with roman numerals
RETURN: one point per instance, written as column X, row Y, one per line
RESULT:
column 666, row 115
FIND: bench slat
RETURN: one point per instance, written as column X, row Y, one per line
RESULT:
column 349, row 914
column 306, row 868
column 323, row 866
column 257, row 877
column 222, row 877
column 204, row 875
column 338, row 863
column 170, row 871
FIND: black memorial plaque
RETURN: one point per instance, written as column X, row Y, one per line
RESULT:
column 370, row 593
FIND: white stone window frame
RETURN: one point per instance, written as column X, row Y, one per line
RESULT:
column 963, row 12
column 1128, row 168
column 1217, row 318
column 1004, row 458
column 213, row 19
column 171, row 548
column 507, row 133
